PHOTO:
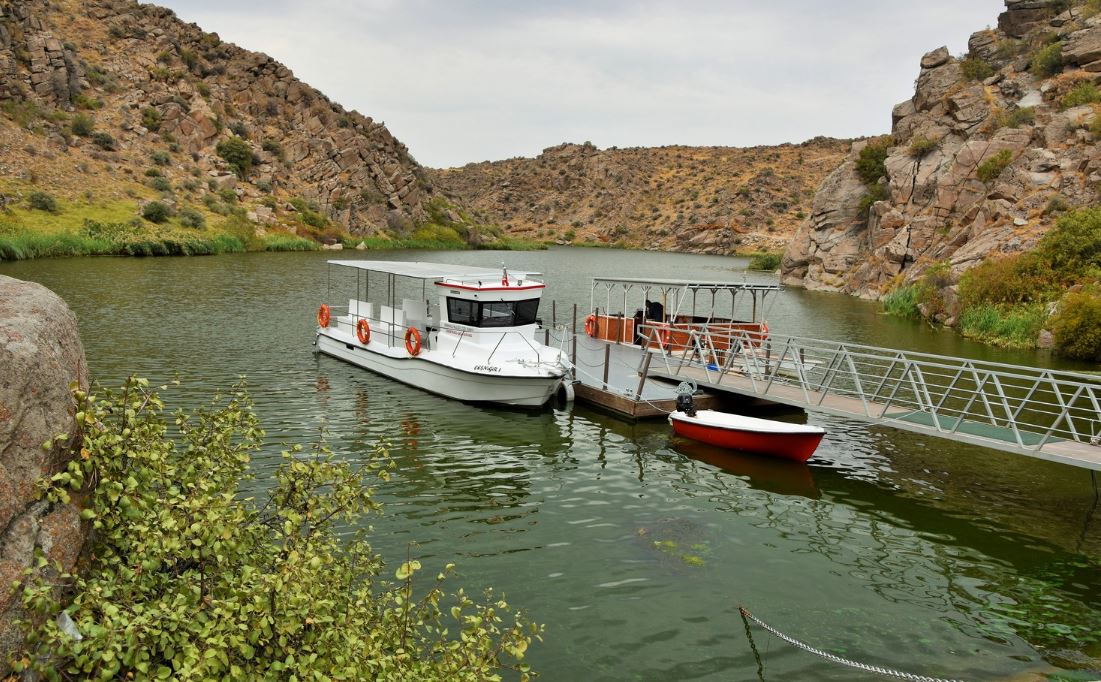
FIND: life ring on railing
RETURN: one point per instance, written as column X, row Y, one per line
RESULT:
column 323, row 315
column 764, row 327
column 590, row 326
column 363, row 331
column 413, row 341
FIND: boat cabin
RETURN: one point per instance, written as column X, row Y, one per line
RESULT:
column 664, row 313
column 468, row 304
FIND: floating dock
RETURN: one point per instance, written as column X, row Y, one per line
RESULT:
column 1046, row 414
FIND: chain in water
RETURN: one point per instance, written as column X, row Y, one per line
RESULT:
column 837, row 659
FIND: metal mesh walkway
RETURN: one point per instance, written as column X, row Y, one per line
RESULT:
column 1048, row 414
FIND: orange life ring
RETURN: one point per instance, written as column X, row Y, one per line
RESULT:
column 666, row 337
column 590, row 325
column 764, row 327
column 323, row 315
column 363, row 331
column 413, row 341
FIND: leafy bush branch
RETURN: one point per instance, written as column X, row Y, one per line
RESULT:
column 190, row 579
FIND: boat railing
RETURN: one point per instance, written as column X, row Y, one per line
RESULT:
column 1026, row 406
column 394, row 334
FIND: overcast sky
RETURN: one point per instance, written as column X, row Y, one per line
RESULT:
column 473, row 80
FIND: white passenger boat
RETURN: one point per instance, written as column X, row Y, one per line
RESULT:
column 477, row 344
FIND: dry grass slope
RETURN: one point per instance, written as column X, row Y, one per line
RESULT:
column 716, row 200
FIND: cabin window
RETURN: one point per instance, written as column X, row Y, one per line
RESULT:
column 493, row 313
column 461, row 311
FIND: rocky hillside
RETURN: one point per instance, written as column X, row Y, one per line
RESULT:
column 992, row 148
column 697, row 199
column 109, row 104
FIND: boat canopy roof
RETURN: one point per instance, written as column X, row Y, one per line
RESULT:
column 429, row 271
column 628, row 282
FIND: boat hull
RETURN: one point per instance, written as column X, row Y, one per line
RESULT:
column 531, row 392
column 797, row 447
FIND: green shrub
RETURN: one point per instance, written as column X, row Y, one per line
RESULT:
column 104, row 141
column 1048, row 61
column 1012, row 280
column 441, row 234
column 203, row 89
column 992, row 168
column 237, row 153
column 1077, row 325
column 161, row 158
column 239, row 129
column 308, row 213
column 921, row 146
column 161, row 184
column 82, row 125
column 42, row 201
column 1073, row 247
column 1015, row 118
column 274, row 148
column 188, row 578
column 976, row 69
column 189, row 217
column 156, row 212
column 24, row 114
column 870, row 163
column 1012, row 326
column 189, row 58
column 876, row 192
column 1083, row 93
column 1055, row 205
column 287, row 242
column 768, row 262
column 903, row 302
column 151, row 119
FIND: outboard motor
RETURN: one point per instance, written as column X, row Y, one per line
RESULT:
column 685, row 402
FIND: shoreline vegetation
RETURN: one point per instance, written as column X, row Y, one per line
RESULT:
column 188, row 577
column 1047, row 297
column 39, row 225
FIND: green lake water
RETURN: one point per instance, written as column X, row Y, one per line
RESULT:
column 635, row 548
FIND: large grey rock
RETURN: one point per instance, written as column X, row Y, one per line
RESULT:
column 937, row 57
column 934, row 84
column 1083, row 47
column 828, row 246
column 40, row 356
column 1021, row 16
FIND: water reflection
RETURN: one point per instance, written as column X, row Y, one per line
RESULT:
column 761, row 472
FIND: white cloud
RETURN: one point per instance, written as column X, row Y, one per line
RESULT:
column 489, row 79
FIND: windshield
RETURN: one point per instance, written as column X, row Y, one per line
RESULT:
column 492, row 314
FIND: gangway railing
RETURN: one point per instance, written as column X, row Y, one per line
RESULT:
column 1010, row 407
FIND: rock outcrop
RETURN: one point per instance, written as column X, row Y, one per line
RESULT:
column 982, row 159
column 716, row 200
column 40, row 357
column 155, row 87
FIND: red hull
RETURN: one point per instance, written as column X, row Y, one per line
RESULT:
column 794, row 446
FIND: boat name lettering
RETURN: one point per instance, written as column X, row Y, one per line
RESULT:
column 486, row 368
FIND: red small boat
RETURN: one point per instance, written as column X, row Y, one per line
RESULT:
column 780, row 439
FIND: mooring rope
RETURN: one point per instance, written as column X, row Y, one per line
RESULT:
column 832, row 657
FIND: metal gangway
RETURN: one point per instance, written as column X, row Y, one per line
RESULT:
column 1048, row 414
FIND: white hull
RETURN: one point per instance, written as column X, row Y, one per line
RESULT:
column 425, row 373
